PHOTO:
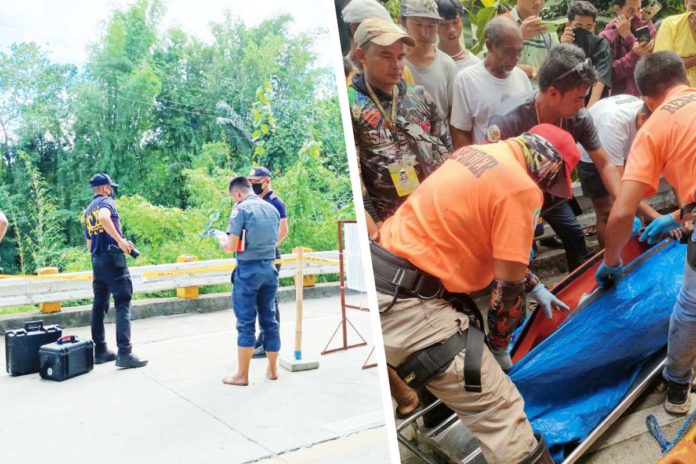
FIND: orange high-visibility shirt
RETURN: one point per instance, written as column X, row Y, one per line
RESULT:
column 666, row 146
column 480, row 205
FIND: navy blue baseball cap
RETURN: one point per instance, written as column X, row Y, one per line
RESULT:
column 102, row 179
column 259, row 172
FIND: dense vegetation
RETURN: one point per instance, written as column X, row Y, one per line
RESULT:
column 171, row 119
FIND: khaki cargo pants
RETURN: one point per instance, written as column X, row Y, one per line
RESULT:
column 496, row 415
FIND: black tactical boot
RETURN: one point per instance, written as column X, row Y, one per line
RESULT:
column 104, row 357
column 259, row 352
column 129, row 361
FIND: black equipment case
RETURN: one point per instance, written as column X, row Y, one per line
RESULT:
column 66, row 358
column 22, row 346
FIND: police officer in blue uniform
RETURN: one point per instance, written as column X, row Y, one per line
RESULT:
column 260, row 179
column 253, row 232
column 105, row 241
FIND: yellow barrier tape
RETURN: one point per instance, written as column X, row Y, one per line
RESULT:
column 229, row 267
column 46, row 277
column 226, row 267
column 320, row 260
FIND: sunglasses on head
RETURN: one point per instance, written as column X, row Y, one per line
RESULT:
column 584, row 69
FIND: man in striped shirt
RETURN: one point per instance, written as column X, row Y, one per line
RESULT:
column 537, row 41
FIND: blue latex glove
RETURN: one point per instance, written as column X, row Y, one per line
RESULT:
column 608, row 275
column 658, row 227
column 547, row 300
column 637, row 225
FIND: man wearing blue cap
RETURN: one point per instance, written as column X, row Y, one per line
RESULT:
column 260, row 179
column 105, row 241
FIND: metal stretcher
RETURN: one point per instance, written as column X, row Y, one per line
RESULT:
column 451, row 442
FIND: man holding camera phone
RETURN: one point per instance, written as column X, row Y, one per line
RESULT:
column 537, row 40
column 630, row 36
column 109, row 248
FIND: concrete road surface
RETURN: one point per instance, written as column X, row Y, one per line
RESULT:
column 177, row 410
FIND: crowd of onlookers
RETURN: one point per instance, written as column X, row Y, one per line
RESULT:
column 474, row 96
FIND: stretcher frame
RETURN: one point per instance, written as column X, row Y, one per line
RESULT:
column 648, row 374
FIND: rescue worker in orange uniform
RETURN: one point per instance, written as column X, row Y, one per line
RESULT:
column 469, row 223
column 664, row 146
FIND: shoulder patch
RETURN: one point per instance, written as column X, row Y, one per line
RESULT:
column 493, row 133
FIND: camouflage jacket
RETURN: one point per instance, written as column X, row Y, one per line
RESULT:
column 419, row 135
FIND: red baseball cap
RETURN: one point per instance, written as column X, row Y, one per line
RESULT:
column 565, row 145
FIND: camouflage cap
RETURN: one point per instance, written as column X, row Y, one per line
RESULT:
column 420, row 8
column 381, row 32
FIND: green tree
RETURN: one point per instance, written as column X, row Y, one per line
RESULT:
column 315, row 201
column 172, row 119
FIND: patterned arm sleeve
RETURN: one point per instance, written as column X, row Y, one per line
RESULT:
column 440, row 130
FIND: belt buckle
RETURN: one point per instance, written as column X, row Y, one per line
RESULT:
column 438, row 294
column 398, row 277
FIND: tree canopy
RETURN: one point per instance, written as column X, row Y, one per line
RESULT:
column 171, row 119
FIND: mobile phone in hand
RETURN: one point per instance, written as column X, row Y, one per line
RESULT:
column 643, row 34
column 650, row 10
column 554, row 24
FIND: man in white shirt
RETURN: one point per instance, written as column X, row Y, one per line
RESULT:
column 479, row 90
column 431, row 67
column 617, row 120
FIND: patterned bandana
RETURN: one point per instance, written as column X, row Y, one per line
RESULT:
column 544, row 163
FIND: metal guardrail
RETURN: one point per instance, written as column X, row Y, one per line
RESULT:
column 25, row 290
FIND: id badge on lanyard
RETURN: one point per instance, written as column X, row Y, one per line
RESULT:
column 403, row 175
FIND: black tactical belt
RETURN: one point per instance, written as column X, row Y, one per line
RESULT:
column 396, row 276
column 401, row 279
column 424, row 365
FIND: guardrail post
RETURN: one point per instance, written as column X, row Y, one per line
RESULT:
column 187, row 293
column 52, row 306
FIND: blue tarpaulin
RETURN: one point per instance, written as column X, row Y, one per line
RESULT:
column 572, row 380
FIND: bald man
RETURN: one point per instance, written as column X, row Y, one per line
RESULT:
column 479, row 89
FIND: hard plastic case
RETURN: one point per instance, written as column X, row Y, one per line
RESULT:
column 22, row 346
column 66, row 358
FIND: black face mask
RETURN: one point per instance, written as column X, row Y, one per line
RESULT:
column 258, row 188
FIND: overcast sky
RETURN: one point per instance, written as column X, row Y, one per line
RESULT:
column 63, row 28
